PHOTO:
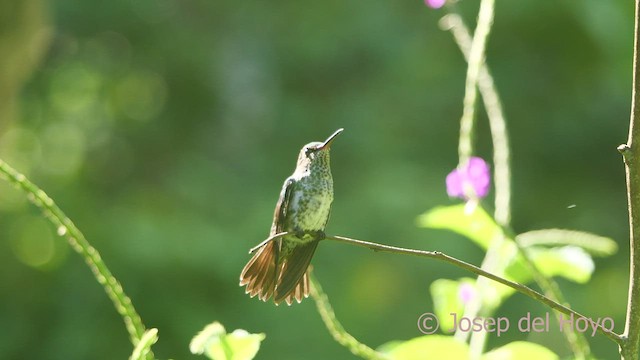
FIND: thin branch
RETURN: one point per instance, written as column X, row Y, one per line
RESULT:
column 65, row 227
column 476, row 270
column 268, row 240
column 335, row 328
column 463, row 265
column 630, row 348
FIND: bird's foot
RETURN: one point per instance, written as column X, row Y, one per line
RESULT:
column 300, row 234
column 314, row 234
column 318, row 235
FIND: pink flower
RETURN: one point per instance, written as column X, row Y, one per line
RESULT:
column 470, row 181
column 435, row 4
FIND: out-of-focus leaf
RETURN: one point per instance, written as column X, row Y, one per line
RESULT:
column 570, row 262
column 426, row 347
column 449, row 297
column 214, row 342
column 520, row 350
column 144, row 345
column 594, row 244
column 473, row 223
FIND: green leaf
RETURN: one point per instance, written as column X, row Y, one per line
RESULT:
column 473, row 223
column 570, row 262
column 594, row 244
column 214, row 342
column 426, row 347
column 447, row 300
column 143, row 347
column 520, row 350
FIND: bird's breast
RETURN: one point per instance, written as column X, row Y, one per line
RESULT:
column 310, row 204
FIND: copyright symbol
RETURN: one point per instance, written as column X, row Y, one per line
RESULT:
column 428, row 323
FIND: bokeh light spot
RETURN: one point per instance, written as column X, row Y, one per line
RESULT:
column 63, row 149
column 10, row 198
column 33, row 243
column 21, row 148
column 74, row 89
column 141, row 95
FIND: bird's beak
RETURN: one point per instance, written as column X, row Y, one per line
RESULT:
column 329, row 140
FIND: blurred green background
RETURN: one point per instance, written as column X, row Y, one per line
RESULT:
column 165, row 129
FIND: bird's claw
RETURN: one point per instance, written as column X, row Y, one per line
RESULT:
column 315, row 234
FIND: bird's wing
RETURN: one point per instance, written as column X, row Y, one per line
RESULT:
column 262, row 271
column 282, row 207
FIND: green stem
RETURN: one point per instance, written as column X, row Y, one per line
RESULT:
column 629, row 349
column 475, row 56
column 141, row 350
column 575, row 339
column 502, row 175
column 65, row 227
column 497, row 123
column 335, row 328
column 476, row 59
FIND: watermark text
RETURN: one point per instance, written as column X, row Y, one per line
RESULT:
column 428, row 323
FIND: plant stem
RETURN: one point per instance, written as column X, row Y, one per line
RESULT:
column 333, row 323
column 335, row 328
column 454, row 23
column 500, row 138
column 631, row 155
column 474, row 269
column 576, row 339
column 149, row 338
column 478, row 75
column 65, row 227
column 476, row 59
column 451, row 260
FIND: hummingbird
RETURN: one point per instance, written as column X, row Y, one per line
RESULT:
column 280, row 267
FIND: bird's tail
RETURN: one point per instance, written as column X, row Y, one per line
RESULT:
column 260, row 274
column 286, row 279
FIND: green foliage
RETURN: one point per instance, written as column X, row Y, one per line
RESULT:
column 520, row 350
column 447, row 299
column 552, row 252
column 594, row 244
column 214, row 342
column 570, row 262
column 426, row 347
column 470, row 221
column 438, row 347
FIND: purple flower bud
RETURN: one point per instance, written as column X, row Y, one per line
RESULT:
column 435, row 4
column 470, row 181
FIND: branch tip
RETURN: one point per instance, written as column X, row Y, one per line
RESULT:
column 623, row 149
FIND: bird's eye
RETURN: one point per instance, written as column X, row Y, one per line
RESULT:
column 308, row 151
